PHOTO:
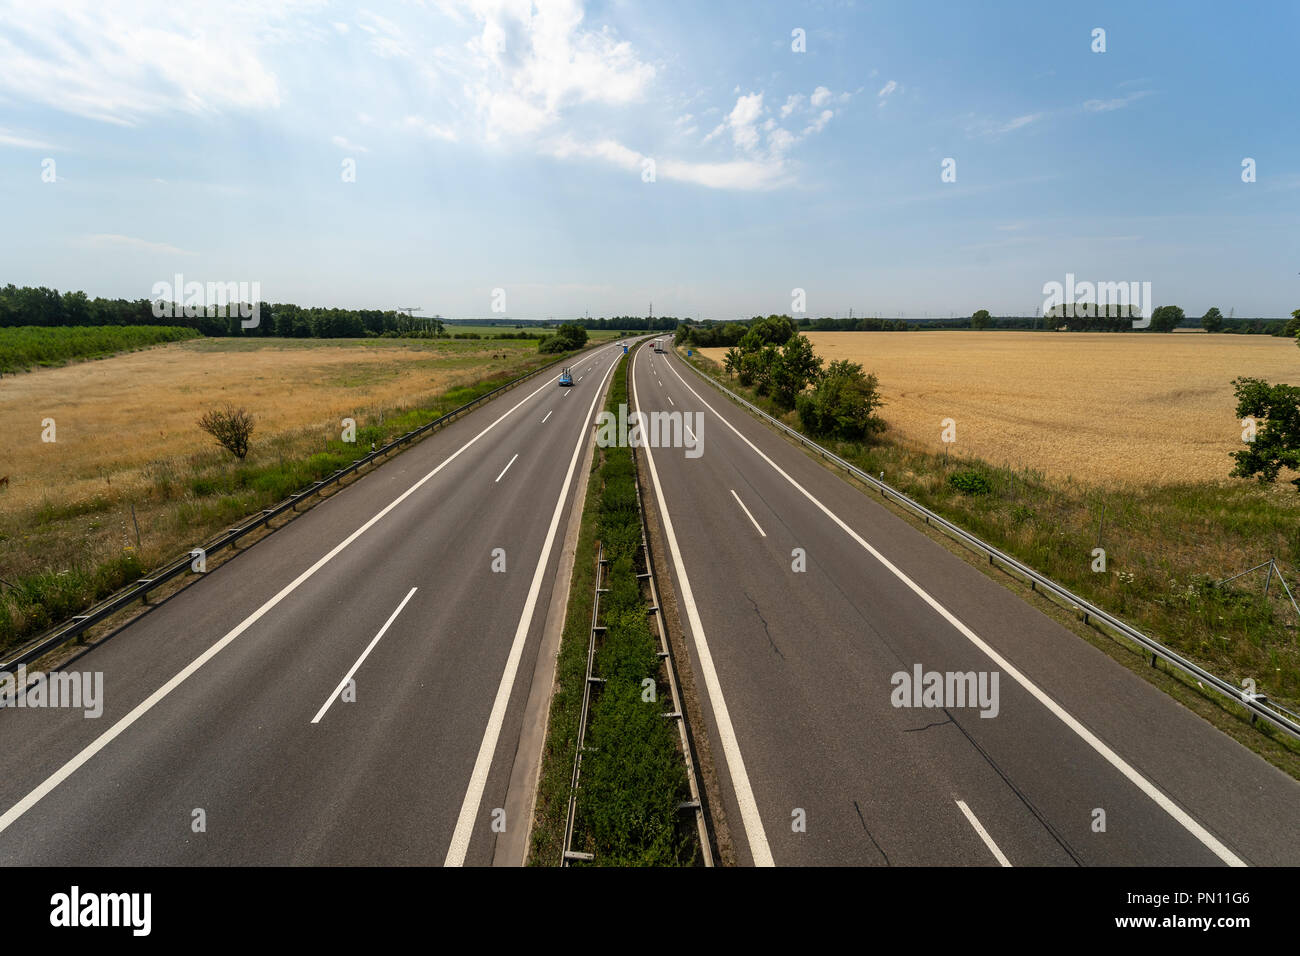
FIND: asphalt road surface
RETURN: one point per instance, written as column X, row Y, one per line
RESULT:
column 1083, row 763
column 342, row 693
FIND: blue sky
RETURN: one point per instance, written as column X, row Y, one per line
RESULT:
column 504, row 145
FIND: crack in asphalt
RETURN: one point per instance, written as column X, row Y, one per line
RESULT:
column 869, row 836
column 766, row 630
column 1056, row 834
column 937, row 723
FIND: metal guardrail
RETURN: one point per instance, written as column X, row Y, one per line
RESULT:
column 139, row 591
column 1257, row 704
column 678, row 713
column 569, row 853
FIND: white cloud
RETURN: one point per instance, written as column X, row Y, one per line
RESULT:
column 819, row 124
column 430, row 129
column 10, row 138
column 1019, row 121
column 741, row 119
column 130, row 242
column 95, row 60
column 781, row 140
column 342, row 142
column 888, row 88
column 989, row 128
column 386, row 40
column 739, row 175
column 821, row 96
column 1105, row 106
column 792, row 103
column 530, row 62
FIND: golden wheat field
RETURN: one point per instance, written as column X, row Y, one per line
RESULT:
column 1096, row 407
column 117, row 417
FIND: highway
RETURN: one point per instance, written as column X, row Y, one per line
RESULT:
column 347, row 691
column 1083, row 762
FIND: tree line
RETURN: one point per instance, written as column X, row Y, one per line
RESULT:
column 39, row 306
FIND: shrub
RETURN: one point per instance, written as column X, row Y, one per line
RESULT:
column 231, row 427
column 843, row 404
column 970, row 481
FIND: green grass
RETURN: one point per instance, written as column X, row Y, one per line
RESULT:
column 25, row 347
column 1166, row 546
column 633, row 775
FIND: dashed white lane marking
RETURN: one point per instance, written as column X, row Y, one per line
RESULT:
column 364, row 654
column 984, row 834
column 747, row 512
column 506, row 468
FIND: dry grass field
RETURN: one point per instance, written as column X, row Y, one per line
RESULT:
column 1100, row 408
column 117, row 419
column 127, row 439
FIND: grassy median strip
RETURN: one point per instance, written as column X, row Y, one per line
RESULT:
column 633, row 776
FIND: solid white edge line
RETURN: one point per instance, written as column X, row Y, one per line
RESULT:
column 1209, row 840
column 984, row 834
column 506, row 468
column 749, row 816
column 360, row 660
column 747, row 512
column 469, row 809
column 142, row 708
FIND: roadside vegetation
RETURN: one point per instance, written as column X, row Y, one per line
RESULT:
column 1165, row 546
column 26, row 347
column 567, row 338
column 143, row 484
column 633, row 776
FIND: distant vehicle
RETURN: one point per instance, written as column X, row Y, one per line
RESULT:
column 659, row 345
column 566, row 377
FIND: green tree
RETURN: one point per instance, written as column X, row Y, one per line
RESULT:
column 1276, row 411
column 843, row 404
column 1166, row 318
column 793, row 369
column 981, row 319
column 1212, row 321
column 1293, row 327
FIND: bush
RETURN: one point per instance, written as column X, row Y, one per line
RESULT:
column 970, row 481
column 843, row 404
column 231, row 427
column 567, row 338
